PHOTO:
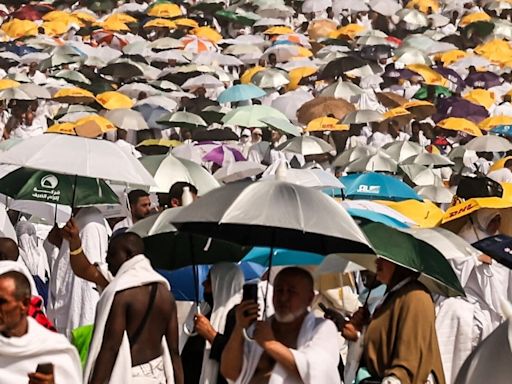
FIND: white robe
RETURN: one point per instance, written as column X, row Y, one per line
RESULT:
column 20, row 356
column 316, row 356
column 133, row 273
column 69, row 311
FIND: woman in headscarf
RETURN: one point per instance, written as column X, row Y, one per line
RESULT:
column 400, row 342
column 222, row 292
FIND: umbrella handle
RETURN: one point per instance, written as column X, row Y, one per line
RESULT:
column 186, row 330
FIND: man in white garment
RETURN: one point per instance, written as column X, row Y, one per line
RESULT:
column 140, row 207
column 24, row 344
column 136, row 310
column 503, row 175
column 293, row 346
column 69, row 311
column 123, row 143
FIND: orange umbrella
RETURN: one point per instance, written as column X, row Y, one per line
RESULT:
column 324, row 106
column 207, row 33
column 297, row 74
column 93, row 126
column 8, row 83
column 481, row 97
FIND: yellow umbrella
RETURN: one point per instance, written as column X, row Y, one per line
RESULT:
column 452, row 56
column 423, row 5
column 73, row 95
column 326, row 124
column 113, row 25
column 321, row 28
column 93, row 126
column 114, row 100
column 499, row 164
column 495, row 50
column 481, row 97
column 62, row 128
column 55, row 27
column 426, row 214
column 248, row 74
column 165, row 10
column 184, row 22
column 429, row 75
column 474, row 17
column 396, row 112
column 8, row 83
column 460, row 124
column 207, row 33
column 278, row 31
column 122, row 17
column 297, row 74
column 160, row 23
column 350, row 30
column 84, row 16
column 17, row 28
column 160, row 142
column 494, row 121
column 471, row 205
column 56, row 15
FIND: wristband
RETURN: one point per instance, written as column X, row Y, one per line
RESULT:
column 76, row 251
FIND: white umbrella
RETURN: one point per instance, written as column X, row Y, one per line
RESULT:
column 312, row 178
column 127, row 119
column 290, row 102
column 489, row 143
column 216, row 58
column 180, row 56
column 378, row 162
column 15, row 94
column 205, row 81
column 401, row 150
column 268, row 21
column 73, row 155
column 354, row 6
column 385, row 7
column 133, row 90
column 238, row 170
column 413, row 56
column 315, row 6
column 421, row 175
column 282, row 52
column 362, row 116
column 435, row 193
column 167, row 170
column 344, row 90
column 306, row 145
column 158, row 101
column 413, row 18
column 353, row 154
column 270, row 78
column 166, row 43
column 429, row 159
column 242, row 49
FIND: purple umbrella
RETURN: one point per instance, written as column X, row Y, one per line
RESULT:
column 452, row 76
column 483, row 80
column 458, row 107
column 223, row 155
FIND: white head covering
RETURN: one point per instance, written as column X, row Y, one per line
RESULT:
column 32, row 255
column 476, row 228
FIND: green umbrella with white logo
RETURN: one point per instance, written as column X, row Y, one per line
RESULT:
column 56, row 188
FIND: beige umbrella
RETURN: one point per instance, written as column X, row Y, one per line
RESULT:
column 324, row 106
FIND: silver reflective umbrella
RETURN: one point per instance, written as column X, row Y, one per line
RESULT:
column 306, row 145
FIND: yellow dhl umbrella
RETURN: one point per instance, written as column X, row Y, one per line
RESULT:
column 17, row 28
column 55, row 27
column 93, row 126
column 425, row 213
column 471, row 205
column 494, row 121
column 207, row 33
column 326, row 124
column 474, row 17
column 297, row 74
column 114, row 100
column 160, row 142
column 499, row 164
column 423, row 5
column 278, row 31
column 184, row 22
column 114, row 25
column 84, row 16
column 160, row 23
column 350, row 30
column 481, row 97
column 165, row 10
column 8, row 83
column 62, row 128
column 73, row 95
column 460, row 124
column 495, row 50
column 420, row 108
column 429, row 75
column 122, row 17
column 451, row 57
column 248, row 75
column 396, row 112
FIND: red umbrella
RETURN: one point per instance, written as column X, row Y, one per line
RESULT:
column 31, row 12
column 110, row 39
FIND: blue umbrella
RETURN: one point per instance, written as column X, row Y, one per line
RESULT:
column 503, row 130
column 376, row 217
column 282, row 256
column 376, row 186
column 241, row 92
column 349, row 179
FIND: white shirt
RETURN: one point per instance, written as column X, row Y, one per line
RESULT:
column 379, row 139
column 503, row 175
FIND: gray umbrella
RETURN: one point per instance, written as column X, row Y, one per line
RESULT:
column 127, row 119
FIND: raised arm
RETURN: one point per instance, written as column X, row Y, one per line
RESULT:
column 172, row 337
column 81, row 266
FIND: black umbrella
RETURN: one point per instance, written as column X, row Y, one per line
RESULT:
column 376, row 52
column 225, row 134
column 336, row 68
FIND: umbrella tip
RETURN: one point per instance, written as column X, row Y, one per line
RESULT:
column 186, row 197
column 281, row 172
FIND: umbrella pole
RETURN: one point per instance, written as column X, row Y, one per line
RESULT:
column 195, row 277
column 74, row 193
column 268, row 279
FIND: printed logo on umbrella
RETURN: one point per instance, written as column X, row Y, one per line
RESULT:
column 49, row 181
column 48, row 192
column 368, row 188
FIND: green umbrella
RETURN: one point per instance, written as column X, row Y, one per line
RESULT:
column 422, row 93
column 236, row 17
column 404, row 249
column 283, row 125
column 56, row 188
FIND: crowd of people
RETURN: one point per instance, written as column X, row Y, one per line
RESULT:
column 398, row 113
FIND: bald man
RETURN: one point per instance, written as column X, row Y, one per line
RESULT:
column 8, row 249
column 136, row 310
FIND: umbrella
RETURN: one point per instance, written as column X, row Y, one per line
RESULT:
column 156, row 146
column 353, row 154
column 225, row 134
column 240, row 92
column 426, row 214
column 282, row 125
column 376, row 186
column 503, row 130
column 306, row 145
column 249, row 116
column 290, row 102
column 93, row 126
column 362, row 116
column 55, row 188
column 114, row 100
column 342, row 89
column 280, row 256
column 469, row 206
column 483, row 80
column 378, row 162
column 460, row 124
column 223, row 155
column 325, row 124
column 126, row 119
column 435, row 193
column 167, row 170
column 495, row 121
column 404, row 249
column 323, row 106
column 15, row 94
column 401, row 150
column 205, row 81
column 183, row 119
column 312, row 178
column 489, row 143
column 238, row 171
column 375, row 207
column 73, row 96
column 270, row 78
column 421, row 175
column 338, row 67
column 429, row 159
column 78, row 156
column 420, row 109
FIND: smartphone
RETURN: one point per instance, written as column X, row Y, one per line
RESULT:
column 250, row 292
column 46, row 368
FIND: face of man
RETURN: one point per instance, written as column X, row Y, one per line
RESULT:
column 292, row 296
column 142, row 208
column 12, row 311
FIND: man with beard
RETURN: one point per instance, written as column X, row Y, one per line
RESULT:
column 293, row 346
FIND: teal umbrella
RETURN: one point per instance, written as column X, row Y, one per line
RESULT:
column 240, row 92
column 56, row 188
column 261, row 255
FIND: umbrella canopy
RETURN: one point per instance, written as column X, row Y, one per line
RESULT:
column 312, row 178
column 426, row 214
column 401, row 150
column 55, row 188
column 306, row 145
column 460, row 124
column 223, row 155
column 280, row 221
column 78, row 156
column 183, row 119
column 429, row 159
column 421, row 175
column 127, row 119
column 114, row 100
column 376, row 186
column 435, row 193
column 375, row 207
column 240, row 92
column 270, row 78
column 251, row 115
column 323, row 106
column 489, row 143
column 378, row 162
column 238, row 171
column 282, row 125
column 167, row 170
column 362, row 116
